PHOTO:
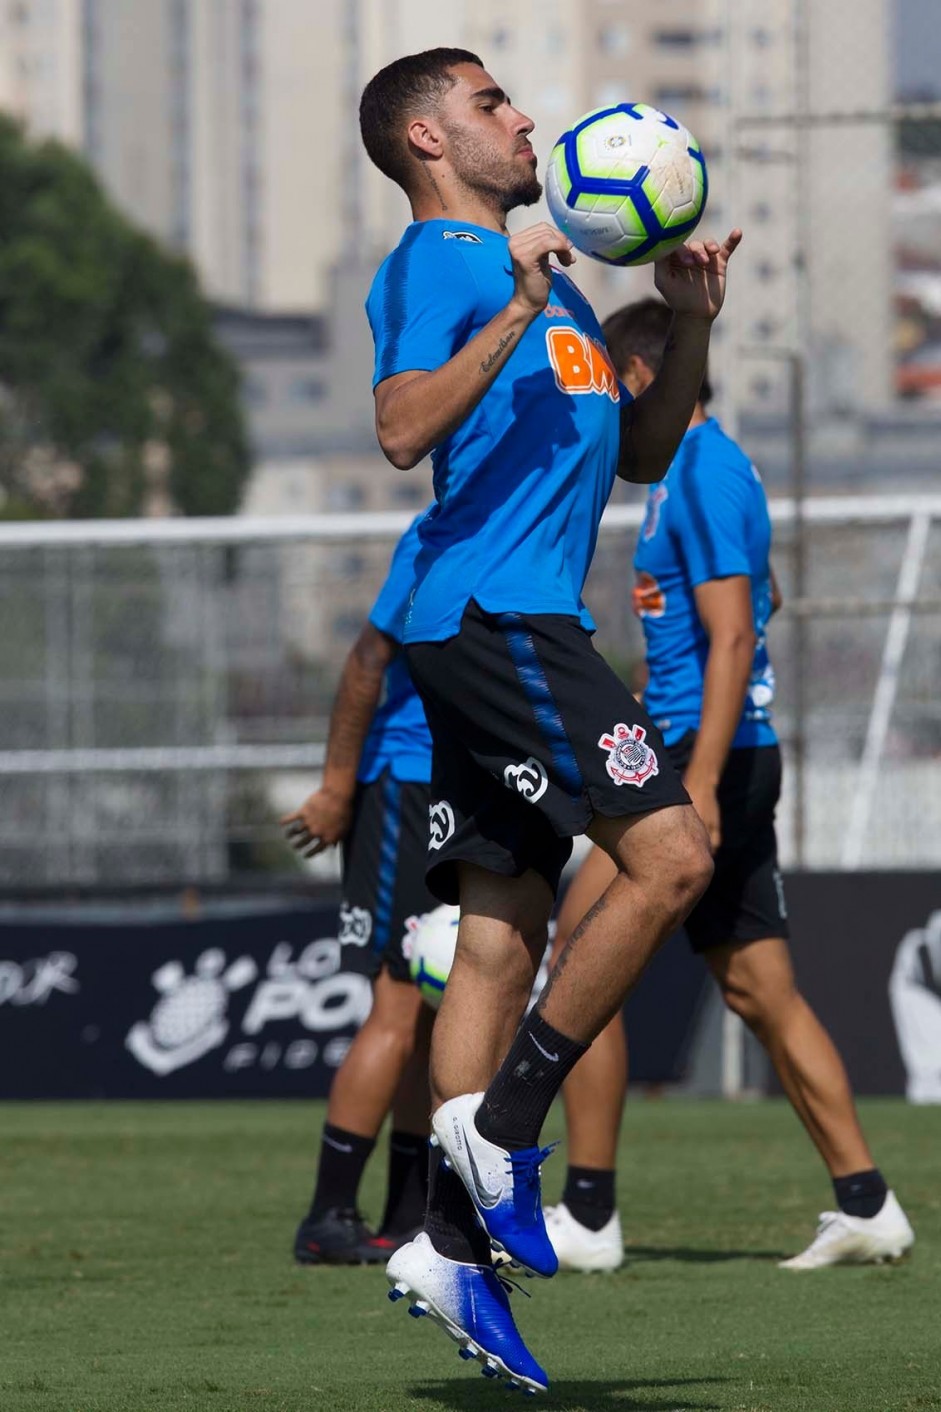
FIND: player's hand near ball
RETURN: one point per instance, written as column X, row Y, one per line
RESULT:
column 692, row 278
column 532, row 274
column 692, row 282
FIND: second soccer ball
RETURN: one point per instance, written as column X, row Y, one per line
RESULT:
column 431, row 952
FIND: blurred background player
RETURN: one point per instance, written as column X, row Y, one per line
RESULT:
column 374, row 800
column 481, row 349
column 705, row 591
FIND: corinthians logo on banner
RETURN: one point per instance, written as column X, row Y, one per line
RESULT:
column 191, row 1017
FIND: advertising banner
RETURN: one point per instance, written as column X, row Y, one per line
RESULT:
column 244, row 1001
column 867, row 948
column 239, row 1005
column 252, row 1000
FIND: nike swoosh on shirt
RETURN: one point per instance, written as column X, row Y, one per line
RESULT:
column 554, row 1058
column 487, row 1198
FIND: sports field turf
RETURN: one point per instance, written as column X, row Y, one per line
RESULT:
column 145, row 1267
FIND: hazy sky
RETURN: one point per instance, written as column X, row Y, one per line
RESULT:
column 918, row 46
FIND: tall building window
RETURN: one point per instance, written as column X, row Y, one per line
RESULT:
column 614, row 39
column 675, row 38
column 684, row 93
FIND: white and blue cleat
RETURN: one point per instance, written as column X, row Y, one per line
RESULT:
column 469, row 1302
column 503, row 1185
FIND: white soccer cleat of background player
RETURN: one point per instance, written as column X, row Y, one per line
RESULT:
column 580, row 1248
column 856, row 1240
column 469, row 1302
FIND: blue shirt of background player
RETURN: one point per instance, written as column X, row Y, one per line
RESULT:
column 521, row 484
column 708, row 519
column 399, row 739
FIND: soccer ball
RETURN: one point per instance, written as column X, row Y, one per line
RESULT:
column 431, row 952
column 626, row 184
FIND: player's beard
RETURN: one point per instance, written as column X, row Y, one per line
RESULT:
column 505, row 181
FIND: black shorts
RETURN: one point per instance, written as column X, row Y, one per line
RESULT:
column 384, row 891
column 533, row 735
column 745, row 900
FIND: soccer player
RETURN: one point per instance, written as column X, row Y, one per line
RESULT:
column 374, row 800
column 489, row 358
column 705, row 591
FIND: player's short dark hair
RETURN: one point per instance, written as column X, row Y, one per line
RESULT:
column 641, row 330
column 396, row 92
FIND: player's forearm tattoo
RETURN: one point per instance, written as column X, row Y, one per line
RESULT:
column 493, row 357
column 564, row 958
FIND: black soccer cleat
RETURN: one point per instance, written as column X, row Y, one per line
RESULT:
column 380, row 1247
column 337, row 1237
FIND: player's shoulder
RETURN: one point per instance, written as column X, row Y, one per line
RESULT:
column 430, row 253
column 436, row 242
column 708, row 453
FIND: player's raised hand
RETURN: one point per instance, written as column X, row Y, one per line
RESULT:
column 322, row 820
column 530, row 250
column 692, row 278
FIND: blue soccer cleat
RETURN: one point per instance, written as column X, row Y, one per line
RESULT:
column 469, row 1302
column 503, row 1185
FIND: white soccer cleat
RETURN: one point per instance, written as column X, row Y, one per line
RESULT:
column 503, row 1185
column 469, row 1302
column 856, row 1240
column 579, row 1248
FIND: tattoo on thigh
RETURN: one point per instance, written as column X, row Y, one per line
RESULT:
column 594, row 911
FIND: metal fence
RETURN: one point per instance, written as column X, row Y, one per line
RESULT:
column 166, row 685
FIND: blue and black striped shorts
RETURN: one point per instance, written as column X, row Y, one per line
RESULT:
column 534, row 734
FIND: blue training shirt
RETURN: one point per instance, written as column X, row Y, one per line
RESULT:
column 520, row 486
column 399, row 739
column 708, row 519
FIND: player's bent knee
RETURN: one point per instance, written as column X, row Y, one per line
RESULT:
column 763, row 1009
column 512, row 967
column 693, row 866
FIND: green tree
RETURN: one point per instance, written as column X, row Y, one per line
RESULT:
column 112, row 385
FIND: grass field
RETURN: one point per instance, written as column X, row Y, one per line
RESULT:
column 144, row 1260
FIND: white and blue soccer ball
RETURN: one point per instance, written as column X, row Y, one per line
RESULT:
column 431, row 952
column 627, row 184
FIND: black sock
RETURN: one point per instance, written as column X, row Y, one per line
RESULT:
column 450, row 1220
column 343, row 1155
column 408, row 1183
column 516, row 1103
column 861, row 1193
column 589, row 1195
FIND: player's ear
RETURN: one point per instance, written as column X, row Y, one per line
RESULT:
column 425, row 137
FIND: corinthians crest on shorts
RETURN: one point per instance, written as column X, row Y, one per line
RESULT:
column 630, row 759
